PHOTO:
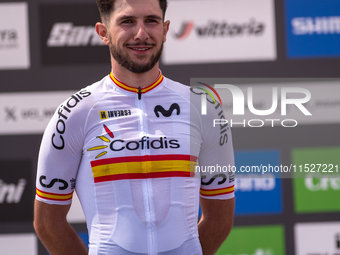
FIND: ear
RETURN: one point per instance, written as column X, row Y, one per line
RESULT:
column 102, row 31
column 165, row 29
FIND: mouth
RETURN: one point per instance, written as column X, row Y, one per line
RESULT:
column 140, row 48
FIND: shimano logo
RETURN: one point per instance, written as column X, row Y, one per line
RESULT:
column 11, row 193
column 68, row 35
column 316, row 25
column 255, row 183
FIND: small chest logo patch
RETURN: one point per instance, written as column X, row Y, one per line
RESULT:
column 167, row 113
column 114, row 114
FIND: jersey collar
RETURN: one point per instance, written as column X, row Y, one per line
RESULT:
column 131, row 89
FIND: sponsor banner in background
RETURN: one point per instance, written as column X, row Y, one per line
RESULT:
column 313, row 28
column 317, row 238
column 258, row 240
column 220, row 31
column 258, row 193
column 68, row 38
column 270, row 102
column 19, row 244
column 16, row 191
column 318, row 187
column 14, row 36
column 28, row 112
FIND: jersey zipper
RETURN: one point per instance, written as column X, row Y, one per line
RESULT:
column 139, row 93
column 147, row 183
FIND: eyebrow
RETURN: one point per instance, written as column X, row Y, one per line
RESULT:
column 134, row 17
column 154, row 17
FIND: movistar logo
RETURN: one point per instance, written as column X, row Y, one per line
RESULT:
column 167, row 113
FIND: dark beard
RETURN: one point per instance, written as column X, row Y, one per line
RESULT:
column 125, row 61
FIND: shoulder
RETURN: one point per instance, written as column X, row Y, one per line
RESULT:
column 70, row 118
column 82, row 101
column 184, row 91
column 177, row 87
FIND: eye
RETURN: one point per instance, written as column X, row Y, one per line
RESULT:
column 127, row 21
column 151, row 21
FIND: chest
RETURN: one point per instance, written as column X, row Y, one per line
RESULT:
column 125, row 126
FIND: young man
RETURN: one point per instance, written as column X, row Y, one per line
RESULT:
column 128, row 145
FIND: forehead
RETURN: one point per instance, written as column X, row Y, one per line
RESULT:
column 136, row 8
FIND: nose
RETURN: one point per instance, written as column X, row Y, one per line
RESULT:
column 141, row 34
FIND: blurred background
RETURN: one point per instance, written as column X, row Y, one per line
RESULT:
column 49, row 50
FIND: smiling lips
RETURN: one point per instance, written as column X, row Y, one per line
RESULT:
column 140, row 48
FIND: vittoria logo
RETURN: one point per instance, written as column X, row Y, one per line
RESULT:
column 185, row 30
column 221, row 29
column 113, row 114
column 144, row 143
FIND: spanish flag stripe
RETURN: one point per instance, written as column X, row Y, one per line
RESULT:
column 56, row 199
column 143, row 159
column 141, row 176
column 223, row 193
column 150, row 87
column 143, row 167
column 128, row 88
column 231, row 187
column 216, row 192
column 54, row 196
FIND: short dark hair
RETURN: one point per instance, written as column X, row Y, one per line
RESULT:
column 106, row 7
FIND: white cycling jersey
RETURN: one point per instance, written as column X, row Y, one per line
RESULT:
column 138, row 159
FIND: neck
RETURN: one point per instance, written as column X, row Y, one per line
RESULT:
column 135, row 80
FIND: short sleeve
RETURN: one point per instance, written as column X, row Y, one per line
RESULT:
column 216, row 162
column 61, row 151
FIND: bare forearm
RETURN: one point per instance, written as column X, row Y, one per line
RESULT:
column 55, row 232
column 62, row 239
column 212, row 234
column 215, row 224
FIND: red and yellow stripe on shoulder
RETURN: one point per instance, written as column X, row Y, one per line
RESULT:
column 216, row 192
column 54, row 196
